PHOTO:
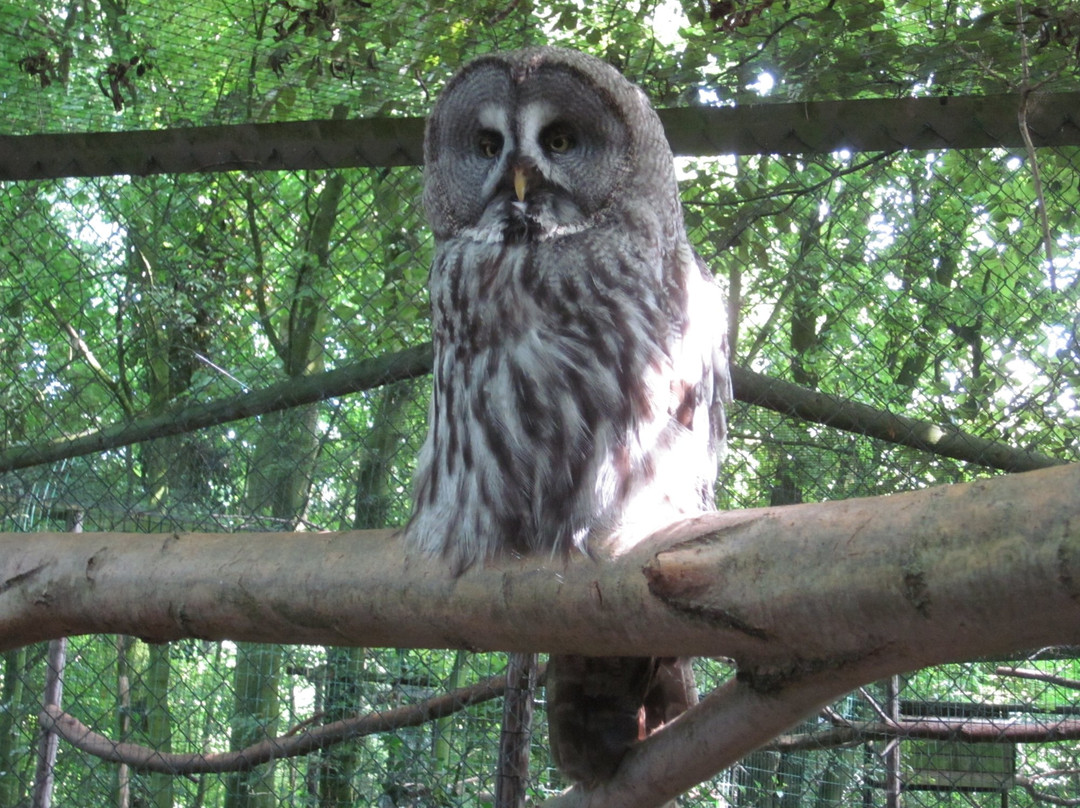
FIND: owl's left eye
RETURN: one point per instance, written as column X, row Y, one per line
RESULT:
column 557, row 139
column 489, row 144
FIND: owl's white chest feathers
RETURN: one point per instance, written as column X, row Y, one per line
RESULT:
column 559, row 376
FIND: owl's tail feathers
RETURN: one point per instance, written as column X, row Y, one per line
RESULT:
column 598, row 707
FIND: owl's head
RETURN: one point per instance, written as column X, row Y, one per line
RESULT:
column 541, row 142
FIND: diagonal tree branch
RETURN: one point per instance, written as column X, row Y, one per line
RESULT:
column 80, row 736
column 851, row 416
column 80, row 347
column 753, row 388
column 406, row 364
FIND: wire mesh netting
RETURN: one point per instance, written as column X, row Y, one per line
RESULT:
column 921, row 283
column 117, row 64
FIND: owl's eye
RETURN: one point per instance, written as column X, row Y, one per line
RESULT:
column 489, row 144
column 557, row 139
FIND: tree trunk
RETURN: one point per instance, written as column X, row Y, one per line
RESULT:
column 337, row 764
column 512, row 778
column 49, row 740
column 11, row 697
column 255, row 718
column 159, row 720
column 280, row 480
column 123, row 717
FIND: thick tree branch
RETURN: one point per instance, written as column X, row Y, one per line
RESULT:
column 811, row 601
column 944, row 573
column 1039, row 676
column 724, row 727
column 736, row 719
column 959, row 730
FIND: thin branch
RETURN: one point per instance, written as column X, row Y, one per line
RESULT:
column 80, row 347
column 292, row 744
column 1049, row 678
column 1028, row 784
column 776, row 31
column 833, row 717
column 753, row 388
column 879, row 711
column 1026, row 91
column 750, row 213
column 259, row 268
column 1036, row 182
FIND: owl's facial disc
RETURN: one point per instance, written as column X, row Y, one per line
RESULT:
column 539, row 163
column 526, row 151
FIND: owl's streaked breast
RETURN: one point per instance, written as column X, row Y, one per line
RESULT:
column 552, row 387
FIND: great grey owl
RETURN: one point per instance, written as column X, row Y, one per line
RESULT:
column 581, row 363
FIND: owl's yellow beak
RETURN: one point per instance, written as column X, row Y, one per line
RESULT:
column 520, row 183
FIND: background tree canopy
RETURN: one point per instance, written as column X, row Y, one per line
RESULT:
column 941, row 284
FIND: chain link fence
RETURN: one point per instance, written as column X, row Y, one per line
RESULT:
column 913, row 283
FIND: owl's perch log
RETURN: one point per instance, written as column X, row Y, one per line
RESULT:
column 905, row 580
column 952, row 553
column 812, row 600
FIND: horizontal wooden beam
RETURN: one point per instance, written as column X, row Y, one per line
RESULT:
column 875, row 124
column 789, row 128
column 288, row 146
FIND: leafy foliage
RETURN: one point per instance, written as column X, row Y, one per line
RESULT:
column 916, row 282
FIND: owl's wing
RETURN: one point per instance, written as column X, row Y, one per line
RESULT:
column 697, row 386
column 708, row 303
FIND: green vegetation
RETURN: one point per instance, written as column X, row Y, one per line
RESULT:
column 916, row 282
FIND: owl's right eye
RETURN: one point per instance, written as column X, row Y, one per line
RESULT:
column 489, row 144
